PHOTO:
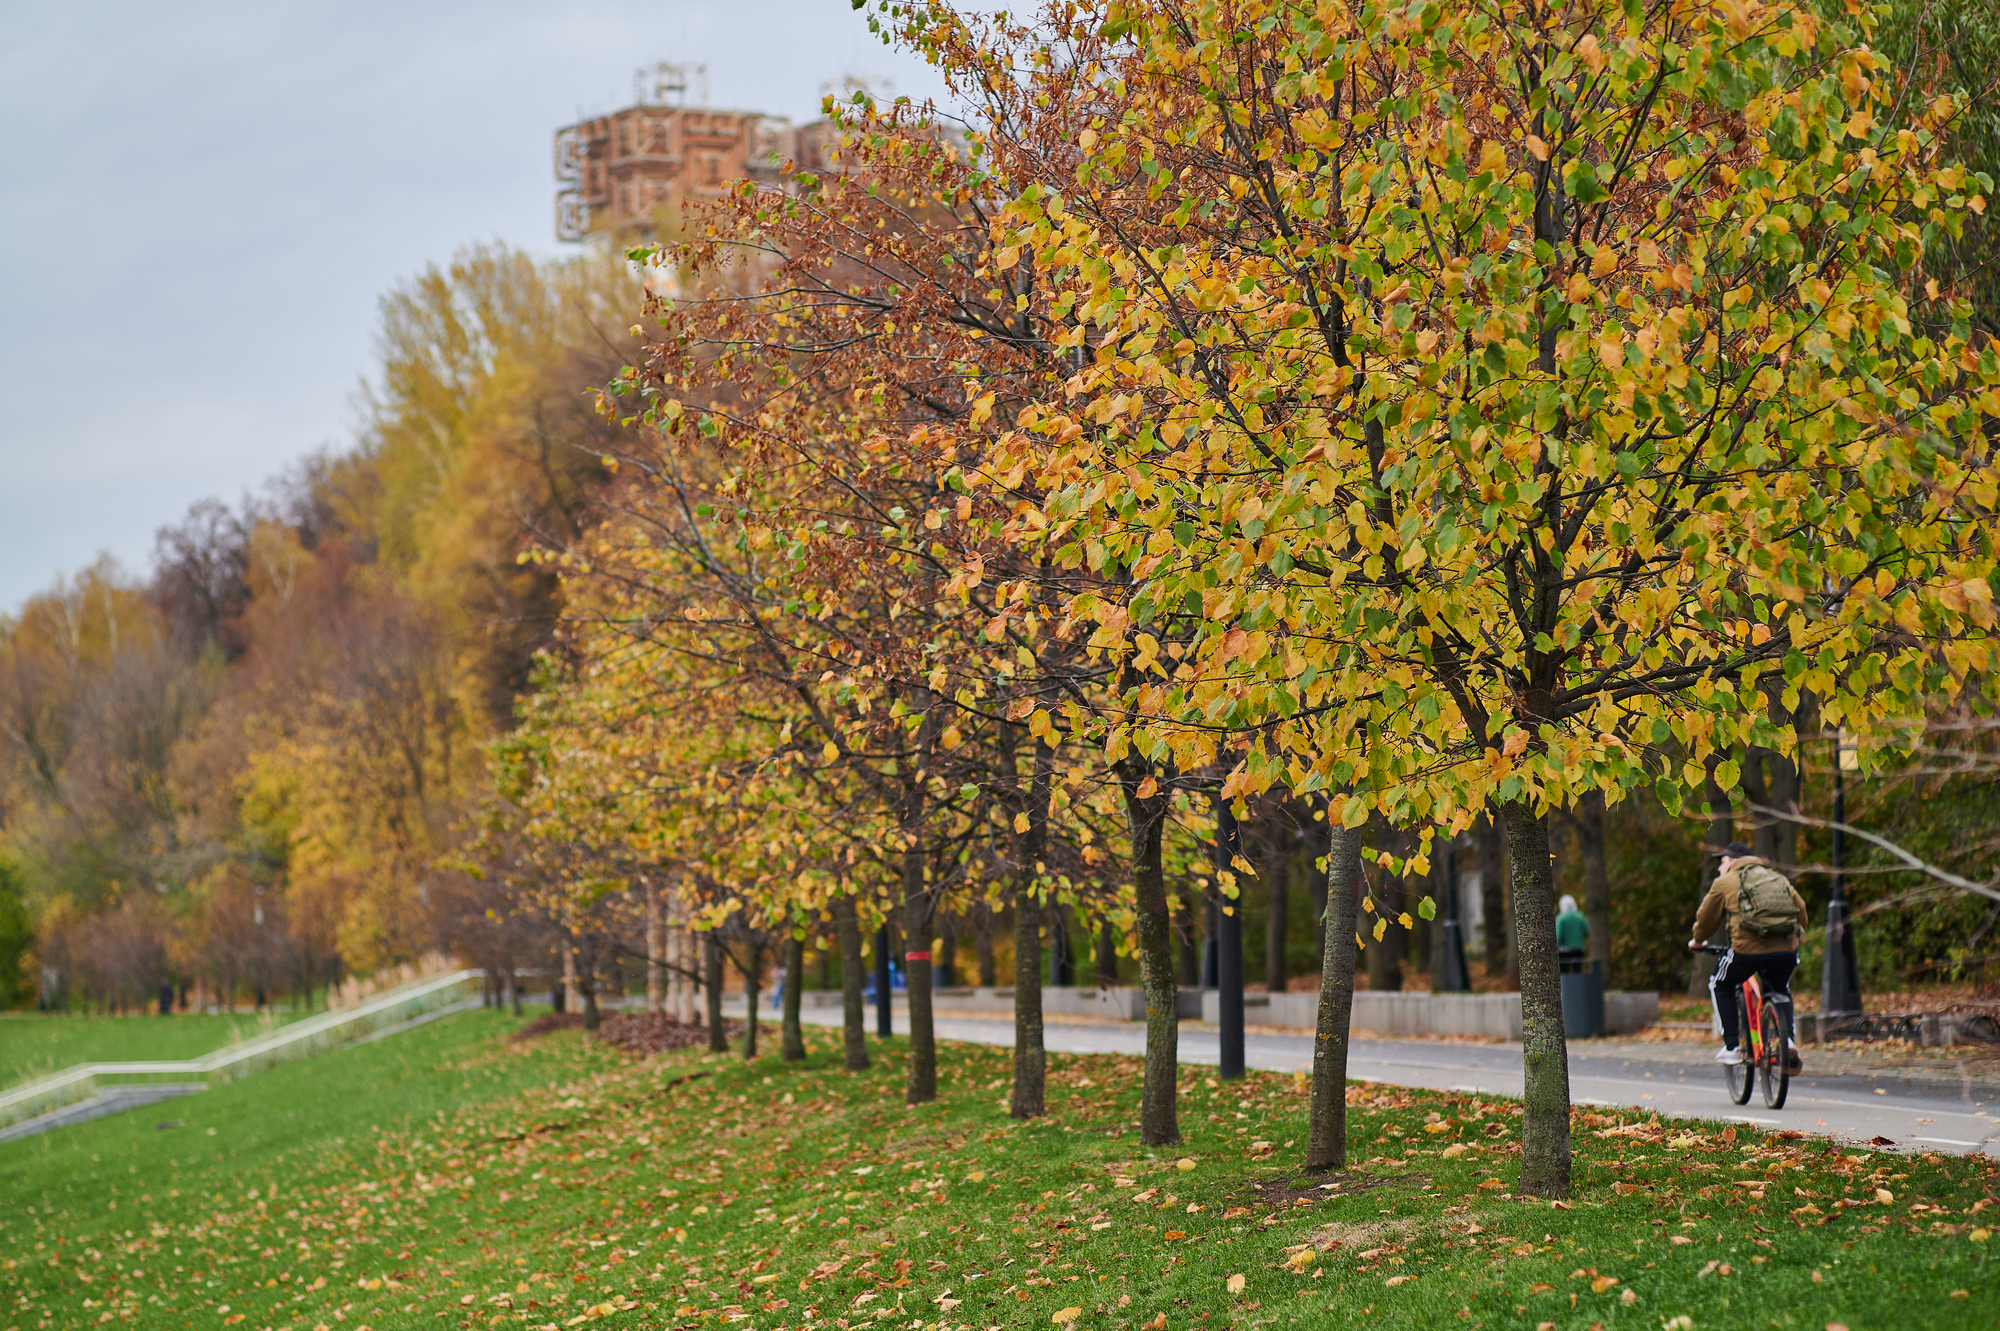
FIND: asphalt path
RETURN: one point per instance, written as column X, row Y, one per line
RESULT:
column 1913, row 1114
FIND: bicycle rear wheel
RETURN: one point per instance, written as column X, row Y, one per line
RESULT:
column 1777, row 1059
column 1741, row 1077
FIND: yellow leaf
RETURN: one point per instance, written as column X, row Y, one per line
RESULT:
column 1303, row 1258
column 1234, row 1284
column 1394, row 1281
column 1602, row 1283
column 1148, row 788
column 1064, row 1316
column 1184, row 1163
column 831, row 752
column 1020, row 822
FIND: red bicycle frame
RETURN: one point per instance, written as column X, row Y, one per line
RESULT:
column 1753, row 1018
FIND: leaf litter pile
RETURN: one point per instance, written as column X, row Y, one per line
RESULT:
column 691, row 1190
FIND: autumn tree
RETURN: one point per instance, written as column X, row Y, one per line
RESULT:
column 1520, row 399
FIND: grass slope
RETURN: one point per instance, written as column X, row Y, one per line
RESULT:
column 34, row 1045
column 445, row 1179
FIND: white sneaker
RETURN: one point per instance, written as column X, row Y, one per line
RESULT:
column 1729, row 1057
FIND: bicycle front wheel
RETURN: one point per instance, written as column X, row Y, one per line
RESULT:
column 1777, row 1059
column 1740, row 1077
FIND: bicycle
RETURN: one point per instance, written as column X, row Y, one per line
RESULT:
column 1764, row 1044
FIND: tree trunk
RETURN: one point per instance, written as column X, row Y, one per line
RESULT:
column 1493, row 894
column 591, row 1017
column 1277, row 896
column 1772, row 780
column 1030, row 1056
column 718, row 1043
column 1721, row 831
column 684, row 945
column 1326, row 1139
column 945, row 972
column 1062, row 963
column 795, row 967
column 568, row 974
column 656, row 958
column 753, row 962
column 1596, row 879
column 1187, row 935
column 1385, row 954
column 854, row 1014
column 1544, row 1051
column 983, row 944
column 918, row 905
column 1159, row 1121
column 1107, row 956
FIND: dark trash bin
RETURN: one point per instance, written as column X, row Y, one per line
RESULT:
column 1583, row 998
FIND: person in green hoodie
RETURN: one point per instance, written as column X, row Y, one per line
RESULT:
column 1572, row 931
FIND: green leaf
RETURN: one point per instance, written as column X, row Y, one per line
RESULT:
column 1669, row 792
column 1427, row 909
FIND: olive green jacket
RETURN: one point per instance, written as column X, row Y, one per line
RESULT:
column 1721, row 901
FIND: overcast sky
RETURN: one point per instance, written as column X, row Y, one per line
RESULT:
column 200, row 203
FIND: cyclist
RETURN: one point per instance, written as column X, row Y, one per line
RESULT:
column 1767, row 922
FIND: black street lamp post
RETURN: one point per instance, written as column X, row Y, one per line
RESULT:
column 1840, row 979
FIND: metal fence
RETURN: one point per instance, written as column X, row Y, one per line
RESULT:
column 329, row 1030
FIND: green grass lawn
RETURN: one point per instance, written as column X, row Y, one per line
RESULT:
column 448, row 1179
column 36, row 1044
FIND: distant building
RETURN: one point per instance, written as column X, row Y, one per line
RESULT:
column 625, row 171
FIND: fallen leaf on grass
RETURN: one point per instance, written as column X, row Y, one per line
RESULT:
column 1234, row 1284
column 1679, row 1240
column 1629, row 1297
column 1394, row 1281
column 1064, row 1316
column 1173, row 1234
column 1602, row 1283
column 1184, row 1163
column 1493, row 1183
column 1540, row 1289
column 1303, row 1258
column 1455, row 1149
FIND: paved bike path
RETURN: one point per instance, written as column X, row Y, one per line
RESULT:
column 1913, row 1114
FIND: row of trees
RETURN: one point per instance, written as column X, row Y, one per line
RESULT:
column 1381, row 418
column 1358, row 437
column 245, row 771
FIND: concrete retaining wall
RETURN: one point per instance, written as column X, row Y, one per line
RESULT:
column 1492, row 1016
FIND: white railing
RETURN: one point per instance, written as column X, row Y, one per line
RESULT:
column 313, row 1035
